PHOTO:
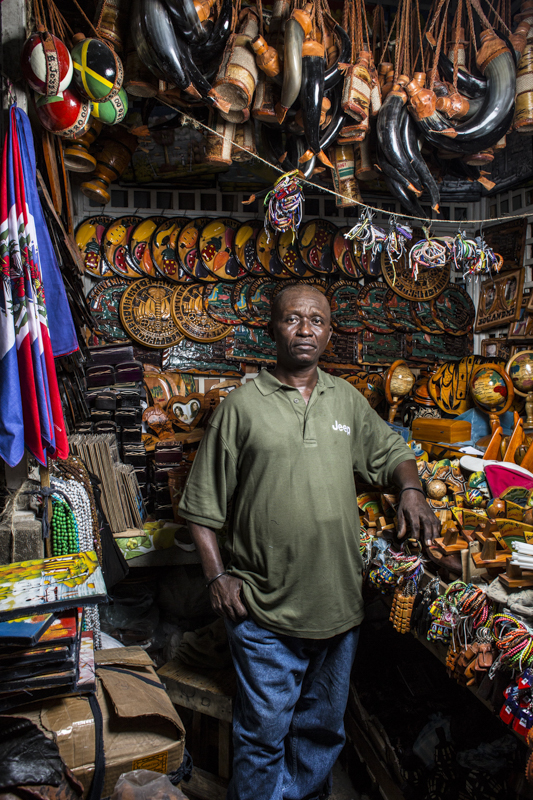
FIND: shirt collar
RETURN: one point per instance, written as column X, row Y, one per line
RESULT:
column 268, row 384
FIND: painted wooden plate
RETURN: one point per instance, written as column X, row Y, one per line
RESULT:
column 216, row 249
column 289, row 255
column 115, row 246
column 429, row 283
column 244, row 247
column 145, row 312
column 260, row 298
column 104, row 302
column 370, row 264
column 344, row 254
column 345, row 313
column 371, row 300
column 89, row 235
column 315, row 242
column 266, row 252
column 188, row 253
column 240, row 295
column 398, row 312
column 453, row 311
column 423, row 317
column 217, row 303
column 370, row 384
column 187, row 309
column 138, row 254
column 163, row 249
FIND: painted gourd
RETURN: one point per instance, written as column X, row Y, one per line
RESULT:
column 98, row 72
column 112, row 111
column 46, row 64
column 64, row 114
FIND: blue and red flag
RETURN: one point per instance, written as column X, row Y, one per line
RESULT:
column 31, row 414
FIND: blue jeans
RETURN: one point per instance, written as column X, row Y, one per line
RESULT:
column 288, row 718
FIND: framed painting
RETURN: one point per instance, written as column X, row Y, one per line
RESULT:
column 508, row 239
column 496, row 347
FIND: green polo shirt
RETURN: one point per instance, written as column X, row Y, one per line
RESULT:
column 294, row 526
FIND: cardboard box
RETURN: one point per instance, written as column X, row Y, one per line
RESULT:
column 142, row 729
column 441, row 430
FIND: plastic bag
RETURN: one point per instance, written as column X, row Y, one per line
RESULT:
column 143, row 784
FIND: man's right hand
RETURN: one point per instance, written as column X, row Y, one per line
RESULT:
column 225, row 594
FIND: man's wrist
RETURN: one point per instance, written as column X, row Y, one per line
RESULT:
column 411, row 489
column 215, row 578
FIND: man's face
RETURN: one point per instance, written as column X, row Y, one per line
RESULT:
column 301, row 328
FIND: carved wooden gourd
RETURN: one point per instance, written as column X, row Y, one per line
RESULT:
column 111, row 162
column 238, row 73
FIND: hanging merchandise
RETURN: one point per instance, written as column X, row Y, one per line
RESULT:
column 46, row 64
column 284, row 204
column 98, row 71
column 474, row 256
column 31, row 410
column 370, row 237
column 430, row 253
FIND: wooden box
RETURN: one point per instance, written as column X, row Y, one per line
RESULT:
column 442, row 430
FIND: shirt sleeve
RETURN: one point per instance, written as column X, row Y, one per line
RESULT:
column 377, row 448
column 212, row 479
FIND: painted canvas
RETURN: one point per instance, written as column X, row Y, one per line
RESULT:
column 24, row 630
column 50, row 584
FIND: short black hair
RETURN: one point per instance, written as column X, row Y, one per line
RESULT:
column 276, row 302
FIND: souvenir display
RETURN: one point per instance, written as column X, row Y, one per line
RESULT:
column 429, row 283
column 449, row 385
column 344, row 254
column 289, row 255
column 508, row 239
column 315, row 242
column 115, row 243
column 112, row 111
column 260, row 298
column 370, row 384
column 64, row 114
column 218, row 303
column 76, row 154
column 240, row 302
column 89, row 234
column 370, row 301
column 98, row 72
column 46, row 64
column 104, row 301
column 199, row 358
column 492, row 391
column 266, row 252
column 216, row 249
column 186, row 412
column 399, row 312
column 252, row 345
column 145, row 313
column 500, row 300
column 139, row 245
column 188, row 251
column 111, row 161
column 454, row 311
column 244, row 247
column 163, row 249
column 187, row 309
column 520, row 370
column 399, row 381
column 345, row 316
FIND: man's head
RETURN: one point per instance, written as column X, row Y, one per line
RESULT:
column 300, row 326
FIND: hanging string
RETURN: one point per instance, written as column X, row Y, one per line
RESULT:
column 88, row 21
column 197, row 124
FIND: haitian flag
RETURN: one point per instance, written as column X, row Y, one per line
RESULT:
column 31, row 414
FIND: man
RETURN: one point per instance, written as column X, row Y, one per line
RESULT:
column 284, row 449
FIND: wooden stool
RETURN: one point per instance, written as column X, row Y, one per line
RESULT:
column 209, row 692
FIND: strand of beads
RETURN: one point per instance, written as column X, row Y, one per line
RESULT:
column 74, row 469
column 79, row 502
column 64, row 528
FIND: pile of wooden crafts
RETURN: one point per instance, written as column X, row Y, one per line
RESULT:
column 331, row 88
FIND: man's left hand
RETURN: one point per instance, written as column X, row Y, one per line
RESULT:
column 414, row 512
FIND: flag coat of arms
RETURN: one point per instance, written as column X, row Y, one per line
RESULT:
column 31, row 414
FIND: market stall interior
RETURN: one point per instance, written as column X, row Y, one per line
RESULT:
column 169, row 167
